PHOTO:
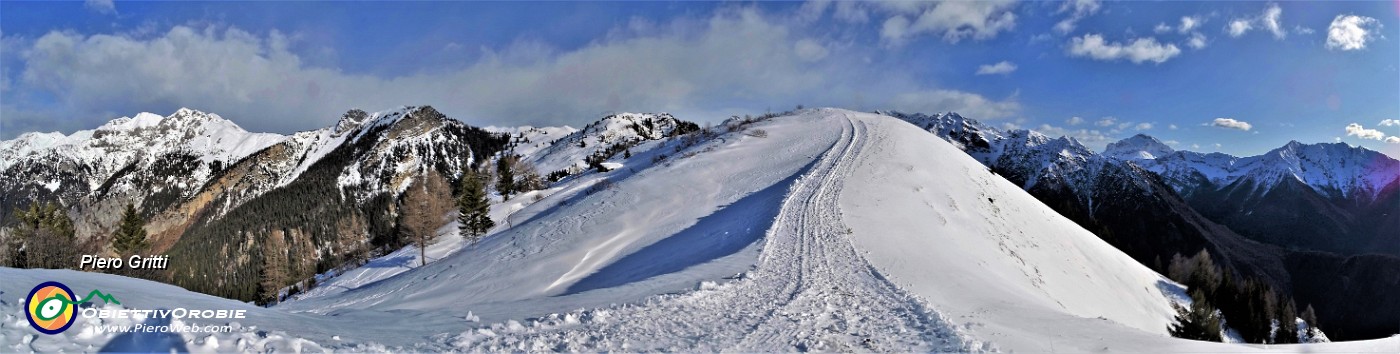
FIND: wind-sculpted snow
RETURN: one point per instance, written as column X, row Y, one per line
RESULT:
column 811, row 290
column 998, row 262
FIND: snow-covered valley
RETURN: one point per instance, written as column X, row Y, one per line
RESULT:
column 832, row 231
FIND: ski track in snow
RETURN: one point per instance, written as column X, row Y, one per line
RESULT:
column 811, row 291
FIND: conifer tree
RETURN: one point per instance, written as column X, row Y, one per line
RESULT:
column 1310, row 317
column 131, row 232
column 44, row 239
column 1287, row 322
column 473, row 209
column 1199, row 322
column 505, row 181
column 274, row 267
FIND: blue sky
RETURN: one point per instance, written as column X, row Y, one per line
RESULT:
column 1195, row 74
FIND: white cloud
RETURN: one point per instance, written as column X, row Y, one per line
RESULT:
column 1357, row 130
column 1303, row 30
column 1393, row 139
column 810, row 50
column 1078, row 10
column 1092, row 138
column 1390, row 123
column 101, row 6
column 967, row 104
column 850, row 12
column 1137, row 51
column 733, row 61
column 1074, row 121
column 1270, row 20
column 1143, row 126
column 1231, row 123
column 1238, row 27
column 952, row 20
column 1190, row 26
column 1172, row 142
column 1351, row 32
column 1196, row 41
column 845, row 11
column 1000, row 68
column 1171, row 126
column 895, row 29
column 813, row 10
column 1189, row 23
column 1162, row 28
column 1107, row 122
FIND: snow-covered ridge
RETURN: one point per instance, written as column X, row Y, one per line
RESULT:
column 529, row 141
column 311, row 146
column 567, row 152
column 128, row 139
column 1022, row 152
column 1332, row 169
column 1137, row 147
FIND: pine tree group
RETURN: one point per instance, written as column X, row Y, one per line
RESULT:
column 1252, row 308
column 473, row 209
column 1199, row 322
column 131, row 232
column 44, row 238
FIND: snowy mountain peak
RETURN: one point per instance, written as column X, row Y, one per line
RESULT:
column 1137, row 147
column 1025, row 137
column 1334, row 169
column 36, row 139
column 566, row 149
column 350, row 120
column 627, row 124
column 1330, row 168
column 140, row 121
column 965, row 133
column 143, row 138
column 186, row 111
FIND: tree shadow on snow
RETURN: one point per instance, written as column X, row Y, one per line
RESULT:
column 1172, row 291
column 147, row 342
column 724, row 232
column 393, row 262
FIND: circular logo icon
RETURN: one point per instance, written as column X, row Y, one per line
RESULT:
column 51, row 307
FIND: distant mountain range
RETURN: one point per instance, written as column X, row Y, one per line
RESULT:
column 1318, row 220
